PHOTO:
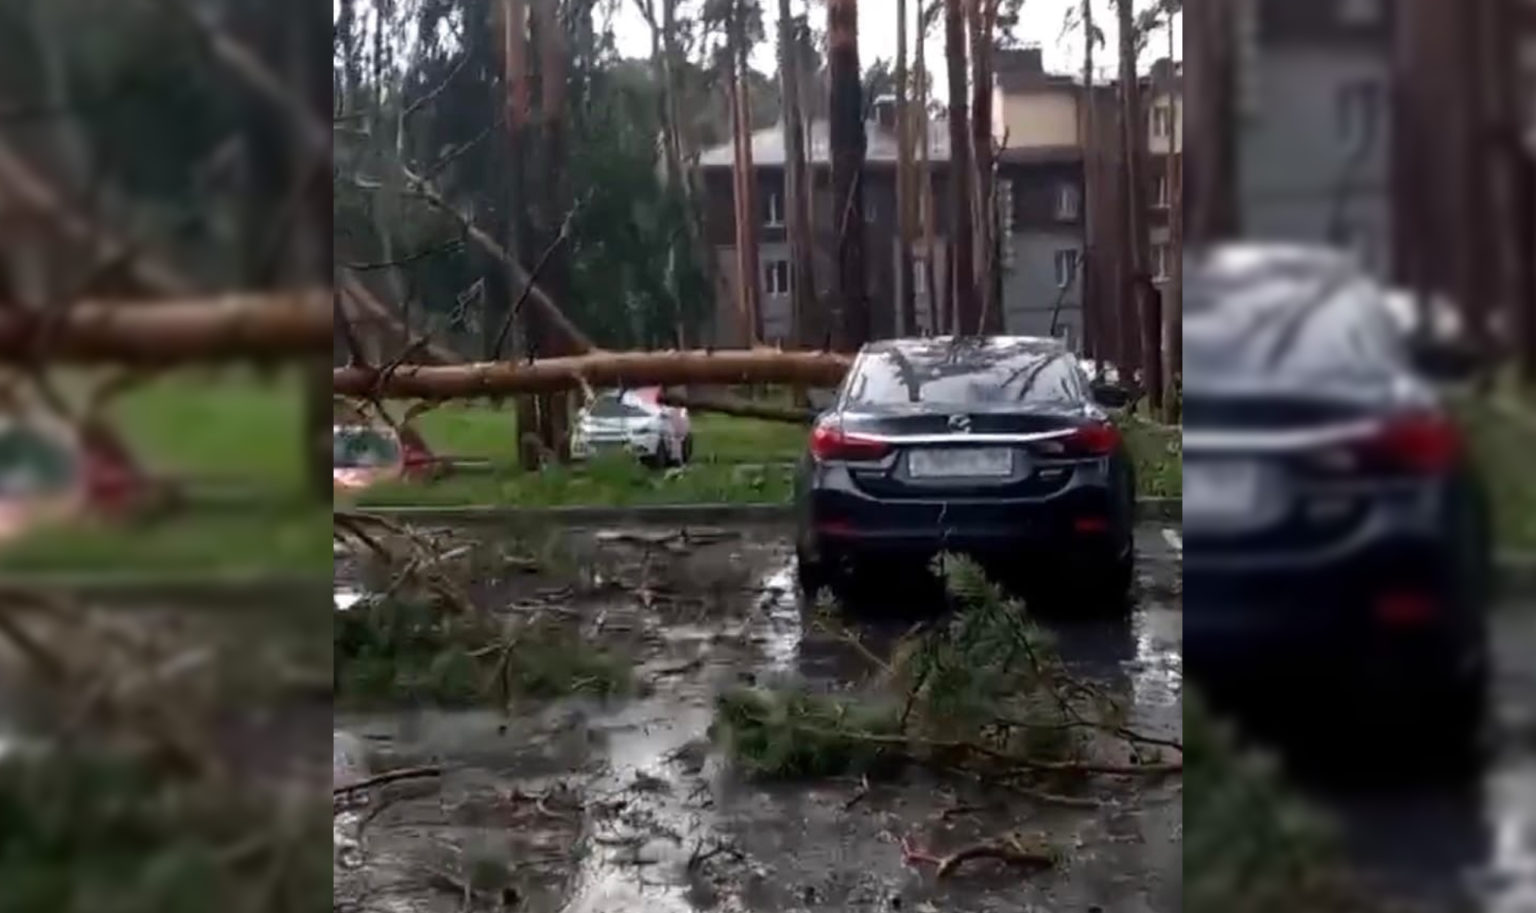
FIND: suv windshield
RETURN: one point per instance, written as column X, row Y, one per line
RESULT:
column 609, row 405
column 945, row 373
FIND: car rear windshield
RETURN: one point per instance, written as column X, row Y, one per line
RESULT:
column 1310, row 328
column 969, row 376
column 610, row 406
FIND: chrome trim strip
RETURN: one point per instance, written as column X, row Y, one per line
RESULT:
column 1274, row 441
column 965, row 438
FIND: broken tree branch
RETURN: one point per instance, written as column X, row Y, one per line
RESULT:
column 22, row 184
column 598, row 369
column 574, row 337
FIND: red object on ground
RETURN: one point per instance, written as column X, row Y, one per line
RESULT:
column 113, row 479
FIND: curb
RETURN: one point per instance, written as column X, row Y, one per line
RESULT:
column 1147, row 510
column 213, row 591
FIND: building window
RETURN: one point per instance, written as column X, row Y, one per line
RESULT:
column 775, row 210
column 1160, row 191
column 1068, row 201
column 1066, row 266
column 1160, row 262
column 1162, row 121
column 776, row 278
column 1357, row 106
column 1360, row 12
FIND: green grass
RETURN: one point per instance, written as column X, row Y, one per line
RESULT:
column 617, row 481
column 1158, row 453
column 231, row 424
column 288, row 538
column 479, row 430
column 1503, row 445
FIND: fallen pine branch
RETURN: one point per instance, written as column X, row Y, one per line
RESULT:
column 598, row 369
column 206, row 329
column 383, row 779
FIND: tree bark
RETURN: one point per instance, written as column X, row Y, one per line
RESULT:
column 260, row 325
column 1139, row 288
column 929, row 214
column 796, row 194
column 848, row 142
column 1173, row 301
column 597, row 370
column 554, row 64
column 750, row 213
column 906, row 305
column 988, row 277
column 1088, row 140
column 966, row 315
column 1212, row 122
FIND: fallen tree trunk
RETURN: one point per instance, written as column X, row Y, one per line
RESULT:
column 740, row 408
column 599, row 369
column 215, row 328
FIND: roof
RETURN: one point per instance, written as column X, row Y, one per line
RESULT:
column 768, row 146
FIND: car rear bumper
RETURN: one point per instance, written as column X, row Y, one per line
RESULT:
column 585, row 448
column 1385, row 615
column 1078, row 522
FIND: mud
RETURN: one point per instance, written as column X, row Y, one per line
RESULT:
column 579, row 806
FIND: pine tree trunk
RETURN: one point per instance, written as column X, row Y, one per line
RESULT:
column 1173, row 301
column 1088, row 142
column 936, row 301
column 906, row 305
column 600, row 369
column 1141, row 288
column 797, row 208
column 847, row 147
column 988, row 235
column 966, row 317
column 750, row 212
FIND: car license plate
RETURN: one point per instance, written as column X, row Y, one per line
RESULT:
column 960, row 462
column 1220, row 488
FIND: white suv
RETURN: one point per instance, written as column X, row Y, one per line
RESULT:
column 634, row 421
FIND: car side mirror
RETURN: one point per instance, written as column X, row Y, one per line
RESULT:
column 1108, row 395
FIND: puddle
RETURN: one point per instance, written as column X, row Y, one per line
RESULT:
column 596, row 808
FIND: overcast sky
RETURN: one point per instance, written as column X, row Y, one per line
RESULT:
column 1040, row 24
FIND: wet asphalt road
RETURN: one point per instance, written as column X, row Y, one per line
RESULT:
column 665, row 826
column 1460, row 847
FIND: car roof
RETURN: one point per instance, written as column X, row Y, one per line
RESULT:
column 1254, row 309
column 952, row 346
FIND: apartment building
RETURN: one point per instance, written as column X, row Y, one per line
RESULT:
column 1044, row 217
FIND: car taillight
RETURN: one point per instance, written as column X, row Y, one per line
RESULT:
column 1420, row 443
column 829, row 442
column 1098, row 439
